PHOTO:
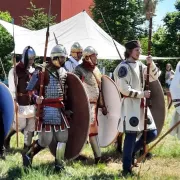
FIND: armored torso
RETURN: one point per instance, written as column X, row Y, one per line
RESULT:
column 91, row 80
column 54, row 90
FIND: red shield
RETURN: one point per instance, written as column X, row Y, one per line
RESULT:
column 78, row 103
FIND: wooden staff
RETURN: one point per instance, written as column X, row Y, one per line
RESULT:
column 43, row 68
column 111, row 36
column 147, row 86
column 149, row 8
column 159, row 140
column 15, row 83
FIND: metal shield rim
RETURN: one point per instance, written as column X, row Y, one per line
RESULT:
column 164, row 109
column 89, row 114
column 114, row 139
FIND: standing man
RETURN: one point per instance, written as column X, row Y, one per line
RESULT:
column 26, row 120
column 75, row 57
column 90, row 76
column 130, row 77
column 52, row 121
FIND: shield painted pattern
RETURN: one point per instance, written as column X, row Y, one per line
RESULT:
column 107, row 129
column 78, row 103
column 7, row 107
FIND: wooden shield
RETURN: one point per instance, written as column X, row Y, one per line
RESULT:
column 107, row 129
column 158, row 104
column 78, row 103
column 6, row 107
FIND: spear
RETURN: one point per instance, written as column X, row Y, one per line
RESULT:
column 111, row 36
column 15, row 82
column 55, row 38
column 43, row 67
column 149, row 9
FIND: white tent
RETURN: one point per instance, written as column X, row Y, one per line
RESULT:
column 18, row 30
column 79, row 28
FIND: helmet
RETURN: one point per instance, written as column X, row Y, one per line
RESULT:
column 57, row 52
column 28, row 53
column 76, row 48
column 89, row 51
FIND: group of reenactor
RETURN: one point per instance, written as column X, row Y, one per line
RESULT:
column 55, row 118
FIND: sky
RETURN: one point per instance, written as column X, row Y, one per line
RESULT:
column 162, row 8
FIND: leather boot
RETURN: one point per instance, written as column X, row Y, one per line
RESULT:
column 96, row 148
column 27, row 158
column 2, row 153
column 8, row 139
column 59, row 160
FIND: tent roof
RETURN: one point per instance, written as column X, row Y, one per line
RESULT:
column 79, row 28
column 18, row 30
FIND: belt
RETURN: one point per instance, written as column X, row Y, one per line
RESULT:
column 22, row 94
column 53, row 102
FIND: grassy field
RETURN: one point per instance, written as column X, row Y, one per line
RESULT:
column 164, row 166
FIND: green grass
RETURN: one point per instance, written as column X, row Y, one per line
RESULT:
column 164, row 166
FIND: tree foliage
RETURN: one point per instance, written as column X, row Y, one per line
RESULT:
column 38, row 20
column 166, row 40
column 124, row 18
column 6, row 44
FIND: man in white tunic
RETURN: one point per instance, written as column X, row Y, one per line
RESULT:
column 75, row 57
column 130, row 78
column 26, row 110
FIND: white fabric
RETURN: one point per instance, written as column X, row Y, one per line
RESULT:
column 26, row 124
column 11, row 83
column 175, row 93
column 130, row 106
column 79, row 28
column 175, row 86
column 26, row 111
column 23, row 111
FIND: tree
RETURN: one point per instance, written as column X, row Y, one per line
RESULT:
column 38, row 20
column 124, row 18
column 6, row 44
column 166, row 40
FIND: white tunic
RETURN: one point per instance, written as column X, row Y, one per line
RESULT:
column 131, row 81
column 23, row 111
column 175, row 93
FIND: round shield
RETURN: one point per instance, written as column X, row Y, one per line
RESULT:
column 158, row 104
column 6, row 107
column 78, row 103
column 108, row 131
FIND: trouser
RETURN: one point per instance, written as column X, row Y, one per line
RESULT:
column 94, row 141
column 28, row 126
column 131, row 146
column 1, row 134
column 44, row 140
